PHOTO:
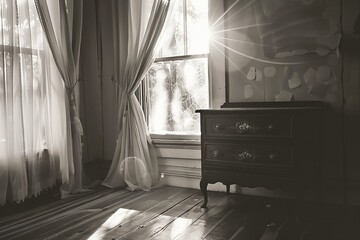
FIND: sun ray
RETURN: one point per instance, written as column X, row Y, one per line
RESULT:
column 242, row 27
column 230, row 61
column 242, row 41
column 258, row 59
column 222, row 17
column 286, row 26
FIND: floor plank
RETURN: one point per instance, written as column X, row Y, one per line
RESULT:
column 150, row 228
column 142, row 218
column 44, row 223
column 187, row 218
column 131, row 211
column 214, row 215
column 175, row 213
column 233, row 222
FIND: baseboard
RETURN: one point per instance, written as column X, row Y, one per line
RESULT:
column 186, row 172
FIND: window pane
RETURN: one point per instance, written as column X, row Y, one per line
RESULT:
column 22, row 27
column 173, row 44
column 176, row 90
column 197, row 27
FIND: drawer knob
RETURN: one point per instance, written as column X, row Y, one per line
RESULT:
column 217, row 153
column 272, row 156
column 245, row 155
column 244, row 126
column 270, row 127
column 219, row 127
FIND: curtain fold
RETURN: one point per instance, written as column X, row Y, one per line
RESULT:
column 62, row 24
column 28, row 142
column 138, row 26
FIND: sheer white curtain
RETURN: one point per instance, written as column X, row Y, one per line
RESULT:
column 62, row 24
column 137, row 28
column 30, row 128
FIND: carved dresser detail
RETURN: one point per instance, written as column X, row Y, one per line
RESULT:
column 270, row 144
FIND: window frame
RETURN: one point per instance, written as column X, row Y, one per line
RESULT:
column 182, row 139
column 24, row 51
column 168, row 138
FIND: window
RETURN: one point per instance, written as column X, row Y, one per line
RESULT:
column 22, row 85
column 178, row 80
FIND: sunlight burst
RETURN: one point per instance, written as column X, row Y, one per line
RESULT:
column 219, row 39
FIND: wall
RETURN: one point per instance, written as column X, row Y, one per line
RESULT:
column 284, row 50
column 98, row 103
column 351, row 77
column 179, row 160
column 290, row 51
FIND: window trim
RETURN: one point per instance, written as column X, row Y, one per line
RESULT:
column 189, row 140
column 180, row 139
column 22, row 50
column 181, row 57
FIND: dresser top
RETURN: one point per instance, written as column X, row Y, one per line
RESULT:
column 269, row 106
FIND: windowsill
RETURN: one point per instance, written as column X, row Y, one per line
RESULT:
column 170, row 139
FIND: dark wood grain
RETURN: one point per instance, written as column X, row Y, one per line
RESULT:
column 175, row 213
column 271, row 145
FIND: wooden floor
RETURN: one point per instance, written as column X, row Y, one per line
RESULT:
column 175, row 213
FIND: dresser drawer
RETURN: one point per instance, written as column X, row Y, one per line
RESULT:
column 269, row 154
column 237, row 125
column 272, row 144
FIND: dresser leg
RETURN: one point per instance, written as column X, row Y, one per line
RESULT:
column 203, row 187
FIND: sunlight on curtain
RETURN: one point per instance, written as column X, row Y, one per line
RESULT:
column 137, row 30
column 29, row 142
column 62, row 24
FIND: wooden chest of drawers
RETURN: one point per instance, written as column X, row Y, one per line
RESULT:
column 261, row 145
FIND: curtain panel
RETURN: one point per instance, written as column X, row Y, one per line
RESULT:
column 62, row 24
column 31, row 105
column 137, row 28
